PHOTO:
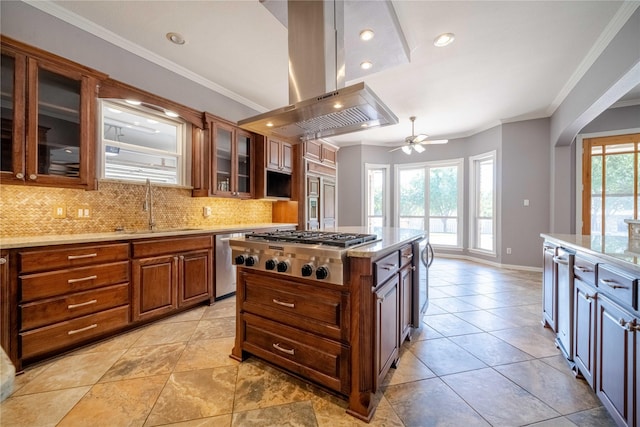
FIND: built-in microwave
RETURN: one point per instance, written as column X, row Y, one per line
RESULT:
column 278, row 185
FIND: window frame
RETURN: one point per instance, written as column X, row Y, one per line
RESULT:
column 474, row 161
column 182, row 144
column 386, row 216
column 459, row 163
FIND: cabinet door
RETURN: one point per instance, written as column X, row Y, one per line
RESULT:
column 273, row 154
column 313, row 150
column 328, row 203
column 222, row 161
column 286, row 154
column 615, row 360
column 54, row 145
column 549, row 289
column 387, row 338
column 329, row 155
column 584, row 329
column 195, row 277
column 406, row 294
column 154, row 286
column 243, row 155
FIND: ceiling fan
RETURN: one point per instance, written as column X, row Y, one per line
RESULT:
column 416, row 142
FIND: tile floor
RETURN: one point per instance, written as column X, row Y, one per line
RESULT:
column 482, row 359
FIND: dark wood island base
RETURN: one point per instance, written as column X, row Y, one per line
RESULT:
column 344, row 338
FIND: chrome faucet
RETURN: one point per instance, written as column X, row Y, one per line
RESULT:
column 148, row 205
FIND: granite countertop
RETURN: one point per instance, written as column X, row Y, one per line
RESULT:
column 47, row 240
column 614, row 249
column 391, row 238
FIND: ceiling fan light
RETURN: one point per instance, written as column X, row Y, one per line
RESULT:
column 419, row 148
column 406, row 149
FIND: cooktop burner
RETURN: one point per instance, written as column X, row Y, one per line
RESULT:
column 343, row 240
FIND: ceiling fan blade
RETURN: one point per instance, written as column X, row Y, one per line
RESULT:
column 419, row 138
column 395, row 149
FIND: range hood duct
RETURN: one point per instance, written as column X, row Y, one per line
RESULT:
column 320, row 104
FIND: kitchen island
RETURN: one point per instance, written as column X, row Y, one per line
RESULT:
column 344, row 336
column 591, row 300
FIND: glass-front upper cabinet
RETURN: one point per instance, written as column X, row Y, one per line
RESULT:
column 231, row 159
column 48, row 119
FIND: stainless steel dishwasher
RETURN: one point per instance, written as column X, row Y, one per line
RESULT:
column 225, row 284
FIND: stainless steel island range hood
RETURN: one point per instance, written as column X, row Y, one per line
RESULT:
column 320, row 104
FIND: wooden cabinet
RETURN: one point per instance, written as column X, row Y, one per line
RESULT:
column 549, row 287
column 584, row 329
column 231, row 151
column 303, row 328
column 406, row 292
column 70, row 295
column 321, row 152
column 617, row 360
column 170, row 273
column 49, row 119
column 328, row 199
column 387, row 321
column 279, row 156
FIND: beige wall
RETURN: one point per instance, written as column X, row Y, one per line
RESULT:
column 28, row 211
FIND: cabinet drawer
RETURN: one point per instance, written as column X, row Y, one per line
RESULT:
column 44, row 285
column 72, row 257
column 320, row 311
column 618, row 285
column 163, row 246
column 406, row 255
column 60, row 335
column 386, row 267
column 585, row 270
column 54, row 310
column 321, row 360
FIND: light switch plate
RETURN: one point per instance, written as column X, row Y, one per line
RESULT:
column 59, row 212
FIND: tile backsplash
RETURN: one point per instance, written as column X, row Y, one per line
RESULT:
column 30, row 211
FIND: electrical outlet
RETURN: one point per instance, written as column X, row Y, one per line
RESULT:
column 508, row 251
column 206, row 211
column 59, row 212
column 83, row 213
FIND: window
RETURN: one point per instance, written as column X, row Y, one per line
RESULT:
column 610, row 184
column 139, row 144
column 377, row 195
column 483, row 202
column 430, row 198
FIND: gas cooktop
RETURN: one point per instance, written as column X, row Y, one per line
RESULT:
column 342, row 240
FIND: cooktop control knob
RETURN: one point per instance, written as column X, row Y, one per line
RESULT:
column 240, row 260
column 283, row 266
column 270, row 264
column 251, row 261
column 322, row 273
column 307, row 270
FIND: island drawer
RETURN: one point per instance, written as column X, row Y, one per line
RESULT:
column 618, row 285
column 585, row 269
column 321, row 360
column 386, row 267
column 51, row 259
column 54, row 310
column 315, row 309
column 406, row 255
column 44, row 340
column 159, row 246
column 44, row 285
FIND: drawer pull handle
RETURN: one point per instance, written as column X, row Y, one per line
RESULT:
column 86, row 328
column 389, row 267
column 81, row 279
column 612, row 284
column 560, row 260
column 629, row 326
column 285, row 304
column 70, row 257
column 583, row 269
column 408, row 256
column 290, row 351
column 82, row 304
column 589, row 297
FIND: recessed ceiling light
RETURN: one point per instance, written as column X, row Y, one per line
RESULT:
column 444, row 39
column 366, row 35
column 132, row 102
column 269, row 125
column 171, row 113
column 366, row 65
column 176, row 38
